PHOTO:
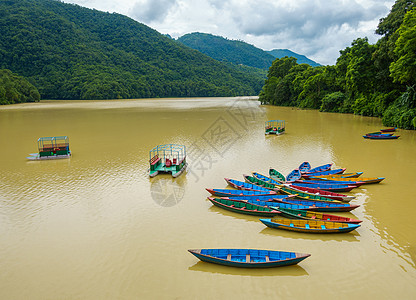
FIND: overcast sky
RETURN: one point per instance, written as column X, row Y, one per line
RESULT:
column 315, row 28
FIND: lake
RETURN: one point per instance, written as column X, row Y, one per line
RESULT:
column 95, row 226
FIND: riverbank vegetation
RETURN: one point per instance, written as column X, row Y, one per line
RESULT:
column 371, row 80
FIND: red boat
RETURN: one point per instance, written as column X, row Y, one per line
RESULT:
column 327, row 194
column 389, row 129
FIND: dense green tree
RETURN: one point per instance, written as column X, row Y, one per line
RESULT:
column 16, row 89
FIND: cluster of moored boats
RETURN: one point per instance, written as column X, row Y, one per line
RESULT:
column 302, row 201
column 383, row 134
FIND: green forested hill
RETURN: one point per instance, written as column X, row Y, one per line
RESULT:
column 16, row 89
column 301, row 59
column 222, row 49
column 71, row 52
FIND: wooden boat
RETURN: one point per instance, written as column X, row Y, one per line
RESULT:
column 276, row 175
column 309, row 226
column 232, row 193
column 257, row 197
column 392, row 129
column 322, row 168
column 304, row 167
column 327, row 187
column 381, row 137
column 313, row 215
column 243, row 207
column 265, row 178
column 341, row 181
column 321, row 206
column 55, row 147
column 253, row 180
column 169, row 158
column 249, row 258
column 276, row 127
column 272, row 203
column 240, row 185
column 294, row 175
column 286, row 189
column 324, row 193
column 343, row 175
column 324, row 173
column 363, row 180
column 379, row 133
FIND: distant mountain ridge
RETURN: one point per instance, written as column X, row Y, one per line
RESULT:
column 238, row 52
column 301, row 59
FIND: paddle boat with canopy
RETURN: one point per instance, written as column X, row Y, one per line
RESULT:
column 56, row 147
column 169, row 158
column 275, row 127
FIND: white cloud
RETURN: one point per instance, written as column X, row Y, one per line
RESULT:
column 315, row 28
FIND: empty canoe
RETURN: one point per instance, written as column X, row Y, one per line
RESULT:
column 343, row 175
column 309, row 226
column 381, row 137
column 313, row 215
column 363, row 180
column 259, row 182
column 231, row 193
column 276, row 175
column 265, row 178
column 328, row 187
column 324, row 193
column 322, row 168
column 249, row 258
column 304, row 167
column 294, row 175
column 392, row 129
column 322, row 206
column 243, row 207
column 303, row 195
column 241, row 185
column 329, row 172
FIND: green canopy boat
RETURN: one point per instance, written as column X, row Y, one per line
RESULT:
column 169, row 158
column 55, row 147
column 274, row 127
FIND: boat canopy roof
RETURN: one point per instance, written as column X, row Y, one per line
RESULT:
column 169, row 151
column 53, row 141
column 275, row 123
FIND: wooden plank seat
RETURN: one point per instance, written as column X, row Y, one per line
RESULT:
column 248, row 258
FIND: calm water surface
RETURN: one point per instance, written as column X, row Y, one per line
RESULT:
column 96, row 227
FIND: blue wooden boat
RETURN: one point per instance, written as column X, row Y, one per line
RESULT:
column 322, row 168
column 379, row 133
column 274, row 204
column 327, row 187
column 249, row 258
column 323, row 193
column 313, row 215
column 392, row 129
column 259, row 182
column 294, row 175
column 304, row 167
column 322, row 181
column 381, row 137
column 321, row 206
column 234, row 193
column 309, row 226
column 265, row 178
column 240, row 185
column 323, row 173
column 243, row 207
column 257, row 197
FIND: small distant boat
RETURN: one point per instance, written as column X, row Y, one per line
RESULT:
column 259, row 182
column 294, row 175
column 309, row 226
column 233, row 193
column 249, row 258
column 169, row 158
column 325, row 181
column 243, row 207
column 324, row 193
column 55, row 147
column 276, row 127
column 321, row 206
column 392, row 129
column 381, row 137
column 244, row 185
column 276, row 175
column 379, row 133
column 275, row 204
column 304, row 167
column 324, row 173
column 313, row 215
column 322, row 168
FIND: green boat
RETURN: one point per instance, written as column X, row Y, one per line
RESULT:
column 276, row 127
column 243, row 207
column 276, row 175
column 304, row 195
column 169, row 158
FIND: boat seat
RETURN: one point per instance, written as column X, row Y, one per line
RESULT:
column 313, row 217
column 323, row 227
column 307, row 226
column 248, row 258
column 291, row 225
column 229, row 256
column 267, row 258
